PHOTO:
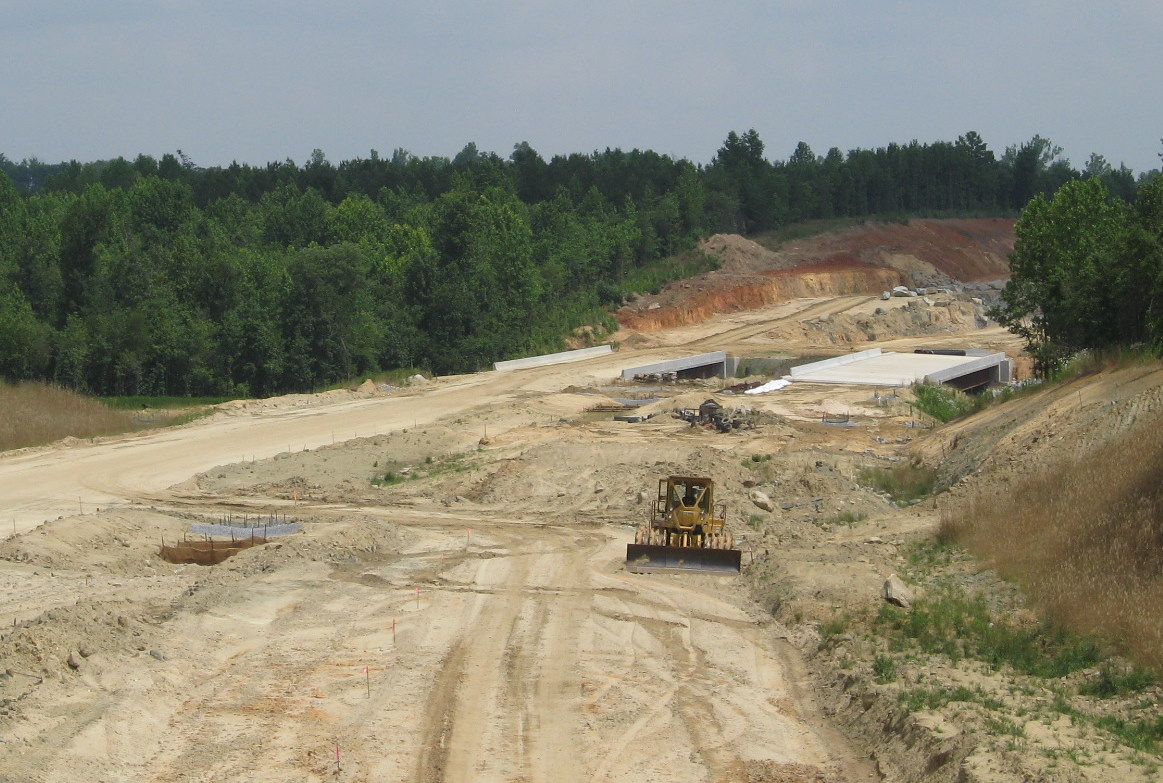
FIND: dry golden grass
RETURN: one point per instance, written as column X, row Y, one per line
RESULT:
column 1084, row 538
column 32, row 414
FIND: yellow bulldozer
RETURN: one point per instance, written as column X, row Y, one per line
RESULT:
column 687, row 531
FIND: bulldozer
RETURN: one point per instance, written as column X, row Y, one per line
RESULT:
column 686, row 532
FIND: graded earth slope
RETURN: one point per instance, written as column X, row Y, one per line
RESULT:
column 869, row 258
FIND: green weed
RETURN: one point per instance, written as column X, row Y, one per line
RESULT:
column 945, row 403
column 934, row 698
column 1143, row 735
column 1114, row 683
column 1004, row 726
column 834, row 627
column 846, row 518
column 959, row 627
column 884, row 669
column 903, row 483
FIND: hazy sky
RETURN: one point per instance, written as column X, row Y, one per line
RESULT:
column 263, row 80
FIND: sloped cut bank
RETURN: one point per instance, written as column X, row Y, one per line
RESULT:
column 782, row 285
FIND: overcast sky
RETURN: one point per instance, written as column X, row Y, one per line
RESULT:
column 263, row 80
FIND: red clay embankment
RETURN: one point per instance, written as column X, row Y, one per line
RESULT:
column 869, row 258
column 779, row 286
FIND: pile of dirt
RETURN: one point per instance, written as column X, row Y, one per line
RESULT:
column 741, row 256
column 328, row 472
column 967, row 250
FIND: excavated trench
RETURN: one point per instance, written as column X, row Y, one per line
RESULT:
column 206, row 552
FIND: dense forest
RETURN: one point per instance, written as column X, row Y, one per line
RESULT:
column 157, row 276
column 1087, row 272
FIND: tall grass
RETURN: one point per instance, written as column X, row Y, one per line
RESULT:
column 903, row 482
column 1083, row 536
column 945, row 403
column 33, row 414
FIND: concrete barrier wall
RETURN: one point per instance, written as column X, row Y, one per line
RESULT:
column 675, row 365
column 985, row 362
column 836, row 361
column 553, row 358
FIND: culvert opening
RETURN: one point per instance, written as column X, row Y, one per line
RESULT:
column 225, row 539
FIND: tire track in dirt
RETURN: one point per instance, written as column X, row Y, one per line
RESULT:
column 499, row 707
column 552, row 665
column 686, row 697
column 707, row 719
column 462, row 709
column 436, row 733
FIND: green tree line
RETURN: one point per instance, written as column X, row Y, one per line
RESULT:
column 1087, row 271
column 160, row 277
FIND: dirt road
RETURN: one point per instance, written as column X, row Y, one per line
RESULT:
column 518, row 651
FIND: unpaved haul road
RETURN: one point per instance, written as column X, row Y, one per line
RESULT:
column 41, row 484
column 527, row 654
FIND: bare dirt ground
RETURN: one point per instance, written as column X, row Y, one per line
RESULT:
column 456, row 607
column 486, row 599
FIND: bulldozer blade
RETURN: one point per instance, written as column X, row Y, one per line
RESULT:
column 648, row 558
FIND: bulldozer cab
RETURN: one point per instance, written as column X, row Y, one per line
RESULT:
column 685, row 502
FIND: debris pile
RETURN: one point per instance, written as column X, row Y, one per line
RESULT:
column 712, row 414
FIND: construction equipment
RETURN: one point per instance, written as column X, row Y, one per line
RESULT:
column 687, row 531
column 709, row 414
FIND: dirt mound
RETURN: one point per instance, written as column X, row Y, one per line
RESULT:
column 964, row 250
column 741, row 255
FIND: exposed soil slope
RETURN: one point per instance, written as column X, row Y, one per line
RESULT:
column 868, row 259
